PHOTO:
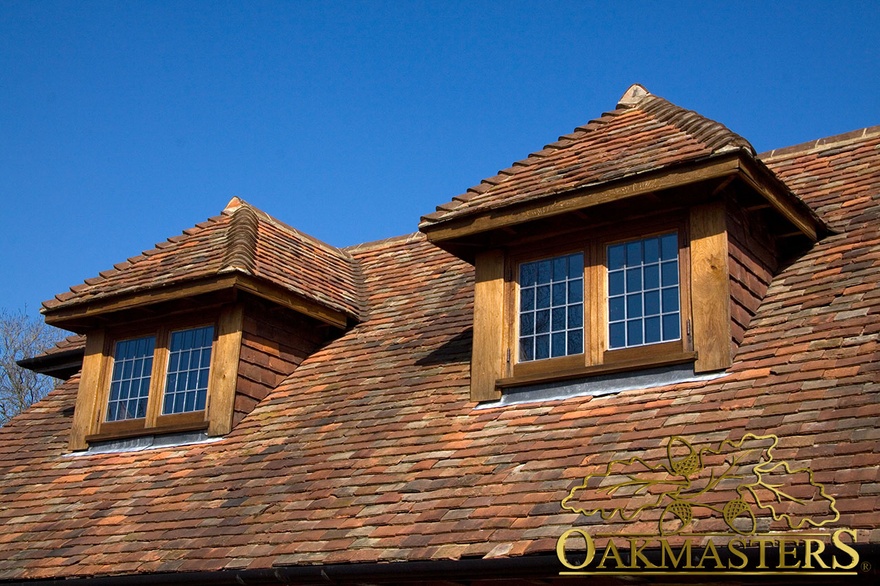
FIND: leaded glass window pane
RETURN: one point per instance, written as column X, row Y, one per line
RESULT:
column 643, row 292
column 551, row 311
column 130, row 381
column 186, row 383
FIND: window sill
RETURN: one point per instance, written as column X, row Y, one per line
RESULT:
column 168, row 424
column 585, row 371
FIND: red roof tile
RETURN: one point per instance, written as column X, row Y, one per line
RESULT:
column 645, row 133
column 241, row 239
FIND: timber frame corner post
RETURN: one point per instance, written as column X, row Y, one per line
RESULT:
column 710, row 287
column 87, row 413
column 487, row 357
column 224, row 370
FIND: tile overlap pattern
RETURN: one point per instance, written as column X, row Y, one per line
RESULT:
column 371, row 450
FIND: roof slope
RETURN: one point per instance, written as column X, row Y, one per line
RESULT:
column 371, row 450
column 241, row 239
column 837, row 176
column 645, row 133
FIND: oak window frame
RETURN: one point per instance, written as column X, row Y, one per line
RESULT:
column 89, row 418
column 597, row 356
column 154, row 419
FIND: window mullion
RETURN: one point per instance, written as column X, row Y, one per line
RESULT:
column 157, row 382
column 595, row 295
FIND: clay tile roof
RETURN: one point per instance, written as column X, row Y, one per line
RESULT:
column 241, row 239
column 836, row 176
column 645, row 133
column 371, row 451
column 75, row 342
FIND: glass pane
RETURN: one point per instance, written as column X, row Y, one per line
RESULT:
column 558, row 321
column 542, row 322
column 576, row 291
column 652, row 330
column 671, row 327
column 575, row 316
column 617, row 335
column 575, row 265
column 559, row 291
column 560, row 268
column 652, row 250
column 633, row 253
column 558, row 344
column 528, row 272
column 542, row 347
column 201, row 398
column 616, row 309
column 669, row 273
column 543, row 301
column 634, row 305
column 633, row 280
column 543, row 272
column 670, row 299
column 652, row 303
column 526, row 350
column 114, row 390
column 616, row 283
column 669, row 246
column 141, row 410
column 527, row 324
column 575, row 342
column 616, row 257
column 634, row 332
column 527, row 299
column 652, row 276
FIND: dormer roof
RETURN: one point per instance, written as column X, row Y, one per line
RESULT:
column 645, row 137
column 644, row 133
column 241, row 242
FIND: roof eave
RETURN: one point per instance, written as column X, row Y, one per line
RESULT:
column 81, row 316
column 61, row 365
column 447, row 233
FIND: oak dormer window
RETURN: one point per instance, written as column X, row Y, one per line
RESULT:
column 139, row 384
column 155, row 380
column 601, row 301
column 638, row 179
column 191, row 335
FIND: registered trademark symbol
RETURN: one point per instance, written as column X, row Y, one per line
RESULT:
column 866, row 566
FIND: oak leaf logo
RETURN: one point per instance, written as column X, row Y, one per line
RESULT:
column 736, row 480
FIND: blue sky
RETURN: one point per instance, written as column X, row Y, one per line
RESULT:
column 123, row 123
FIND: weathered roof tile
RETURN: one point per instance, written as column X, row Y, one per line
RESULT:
column 242, row 238
column 646, row 133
